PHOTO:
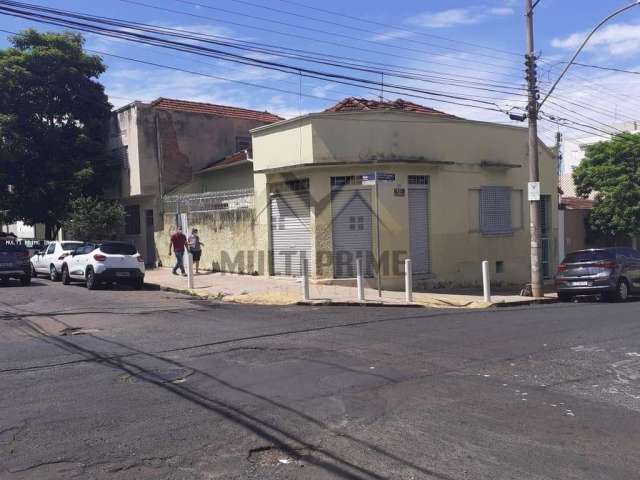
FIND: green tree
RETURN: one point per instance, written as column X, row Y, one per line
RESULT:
column 54, row 120
column 612, row 170
column 93, row 219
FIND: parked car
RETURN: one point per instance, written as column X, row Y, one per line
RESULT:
column 48, row 261
column 104, row 263
column 611, row 272
column 14, row 263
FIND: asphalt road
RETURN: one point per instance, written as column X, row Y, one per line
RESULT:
column 153, row 385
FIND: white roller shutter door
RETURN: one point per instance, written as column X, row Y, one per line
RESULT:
column 419, row 229
column 290, row 233
column 352, row 232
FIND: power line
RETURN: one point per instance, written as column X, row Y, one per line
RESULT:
column 324, row 32
column 370, row 67
column 312, row 39
column 386, row 25
column 336, row 78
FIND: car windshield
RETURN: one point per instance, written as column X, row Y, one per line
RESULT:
column 589, row 256
column 70, row 245
column 118, row 249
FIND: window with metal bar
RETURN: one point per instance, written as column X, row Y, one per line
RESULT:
column 495, row 211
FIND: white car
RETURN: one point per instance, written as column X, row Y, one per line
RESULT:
column 48, row 261
column 96, row 264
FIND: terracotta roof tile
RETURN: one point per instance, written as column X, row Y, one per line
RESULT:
column 216, row 110
column 354, row 104
column 240, row 156
column 576, row 203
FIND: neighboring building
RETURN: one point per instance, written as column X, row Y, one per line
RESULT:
column 573, row 229
column 24, row 231
column 164, row 144
column 573, row 151
column 452, row 193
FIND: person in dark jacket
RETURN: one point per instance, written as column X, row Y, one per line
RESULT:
column 178, row 243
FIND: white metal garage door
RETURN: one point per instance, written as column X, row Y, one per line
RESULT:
column 290, row 233
column 419, row 229
column 352, row 232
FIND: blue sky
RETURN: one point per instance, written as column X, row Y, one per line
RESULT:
column 445, row 38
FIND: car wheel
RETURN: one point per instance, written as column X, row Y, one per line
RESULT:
column 565, row 297
column 26, row 280
column 66, row 279
column 139, row 283
column 92, row 283
column 4, row 281
column 53, row 274
column 34, row 274
column 622, row 291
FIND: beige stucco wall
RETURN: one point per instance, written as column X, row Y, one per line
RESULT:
column 230, row 178
column 229, row 239
column 457, row 247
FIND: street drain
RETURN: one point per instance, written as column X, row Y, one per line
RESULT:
column 78, row 331
column 273, row 456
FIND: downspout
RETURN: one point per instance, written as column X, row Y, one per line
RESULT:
column 159, row 163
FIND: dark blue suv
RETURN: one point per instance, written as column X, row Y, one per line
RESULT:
column 14, row 263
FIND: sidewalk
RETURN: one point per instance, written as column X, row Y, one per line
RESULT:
column 288, row 291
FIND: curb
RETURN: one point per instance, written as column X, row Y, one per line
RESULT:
column 355, row 303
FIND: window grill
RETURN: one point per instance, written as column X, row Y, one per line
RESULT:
column 495, row 211
column 418, row 179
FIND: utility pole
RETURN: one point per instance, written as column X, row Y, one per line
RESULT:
column 534, row 169
column 559, row 156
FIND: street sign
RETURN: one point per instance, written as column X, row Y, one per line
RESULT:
column 371, row 178
column 534, row 191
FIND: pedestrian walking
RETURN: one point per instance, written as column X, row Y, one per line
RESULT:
column 195, row 248
column 178, row 243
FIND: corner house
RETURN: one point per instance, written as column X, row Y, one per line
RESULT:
column 383, row 181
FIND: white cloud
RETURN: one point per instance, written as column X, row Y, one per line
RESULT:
column 462, row 16
column 502, row 11
column 448, row 18
column 620, row 40
column 384, row 36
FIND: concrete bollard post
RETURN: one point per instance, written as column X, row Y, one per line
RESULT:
column 305, row 280
column 408, row 281
column 486, row 282
column 189, row 258
column 359, row 279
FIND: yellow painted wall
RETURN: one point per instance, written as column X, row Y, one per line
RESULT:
column 229, row 239
column 457, row 247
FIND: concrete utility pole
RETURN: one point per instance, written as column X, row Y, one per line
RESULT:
column 532, row 112
column 534, row 169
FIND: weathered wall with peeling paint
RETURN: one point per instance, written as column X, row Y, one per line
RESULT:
column 229, row 238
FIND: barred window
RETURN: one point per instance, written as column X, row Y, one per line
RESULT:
column 495, row 211
column 243, row 143
column 346, row 180
column 418, row 179
column 299, row 185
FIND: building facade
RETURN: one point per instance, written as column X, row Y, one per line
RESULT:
column 157, row 147
column 574, row 148
column 386, row 181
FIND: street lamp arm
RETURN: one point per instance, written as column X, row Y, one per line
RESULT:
column 586, row 40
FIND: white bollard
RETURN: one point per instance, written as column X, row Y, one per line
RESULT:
column 189, row 270
column 305, row 280
column 359, row 280
column 408, row 281
column 486, row 282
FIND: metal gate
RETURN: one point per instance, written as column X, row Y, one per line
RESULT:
column 290, row 232
column 419, row 230
column 352, row 232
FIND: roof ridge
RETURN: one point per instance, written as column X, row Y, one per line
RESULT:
column 214, row 109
